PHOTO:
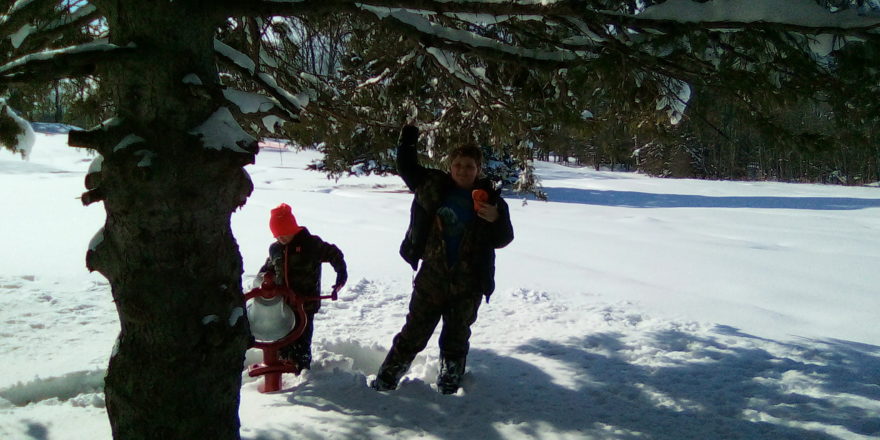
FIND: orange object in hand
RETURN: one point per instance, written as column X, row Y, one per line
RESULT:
column 479, row 195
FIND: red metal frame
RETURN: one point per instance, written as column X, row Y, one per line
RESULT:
column 272, row 367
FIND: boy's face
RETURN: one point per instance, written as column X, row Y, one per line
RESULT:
column 464, row 171
column 284, row 239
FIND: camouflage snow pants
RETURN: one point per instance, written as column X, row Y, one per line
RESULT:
column 437, row 294
column 300, row 351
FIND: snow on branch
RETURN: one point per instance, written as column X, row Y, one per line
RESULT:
column 20, row 13
column 448, row 61
column 22, row 137
column 674, row 97
column 424, row 26
column 495, row 8
column 241, row 60
column 46, row 33
column 222, row 131
column 57, row 63
column 298, row 101
column 250, row 102
column 803, row 14
column 266, row 109
column 102, row 138
column 290, row 103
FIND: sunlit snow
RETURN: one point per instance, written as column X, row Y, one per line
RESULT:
column 627, row 307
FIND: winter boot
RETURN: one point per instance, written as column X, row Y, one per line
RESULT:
column 304, row 361
column 451, row 371
column 389, row 375
column 297, row 354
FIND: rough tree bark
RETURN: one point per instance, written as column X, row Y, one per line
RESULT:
column 167, row 246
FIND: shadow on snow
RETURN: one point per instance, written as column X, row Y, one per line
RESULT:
column 632, row 199
column 700, row 387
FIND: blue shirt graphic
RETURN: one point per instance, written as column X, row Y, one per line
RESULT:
column 455, row 214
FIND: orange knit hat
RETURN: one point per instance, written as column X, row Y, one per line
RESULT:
column 282, row 221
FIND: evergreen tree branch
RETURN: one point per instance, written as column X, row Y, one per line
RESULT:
column 256, row 121
column 249, row 69
column 19, row 14
column 422, row 19
column 101, row 138
column 43, row 37
column 587, row 10
column 548, row 59
column 59, row 63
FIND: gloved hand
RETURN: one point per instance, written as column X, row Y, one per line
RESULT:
column 340, row 282
column 268, row 281
column 409, row 135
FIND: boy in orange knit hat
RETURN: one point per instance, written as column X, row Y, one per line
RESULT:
column 295, row 261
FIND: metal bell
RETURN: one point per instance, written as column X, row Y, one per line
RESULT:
column 270, row 318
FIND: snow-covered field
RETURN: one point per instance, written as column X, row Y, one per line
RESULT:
column 627, row 307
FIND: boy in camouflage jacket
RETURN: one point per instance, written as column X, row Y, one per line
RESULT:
column 295, row 261
column 455, row 237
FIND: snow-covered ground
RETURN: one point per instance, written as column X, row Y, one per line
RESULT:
column 627, row 307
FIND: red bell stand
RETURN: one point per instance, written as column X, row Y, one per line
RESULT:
column 272, row 367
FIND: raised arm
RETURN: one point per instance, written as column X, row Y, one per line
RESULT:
column 408, row 166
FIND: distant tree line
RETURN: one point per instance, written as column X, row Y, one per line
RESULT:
column 69, row 101
column 718, row 139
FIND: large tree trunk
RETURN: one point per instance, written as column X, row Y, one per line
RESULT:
column 167, row 246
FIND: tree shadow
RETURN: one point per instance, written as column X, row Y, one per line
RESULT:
column 723, row 385
column 30, row 430
column 37, row 431
column 720, row 385
column 633, row 199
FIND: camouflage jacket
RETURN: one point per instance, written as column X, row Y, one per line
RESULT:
column 304, row 256
column 424, row 241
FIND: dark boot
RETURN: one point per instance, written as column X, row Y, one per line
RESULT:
column 389, row 375
column 304, row 361
column 451, row 371
column 297, row 353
